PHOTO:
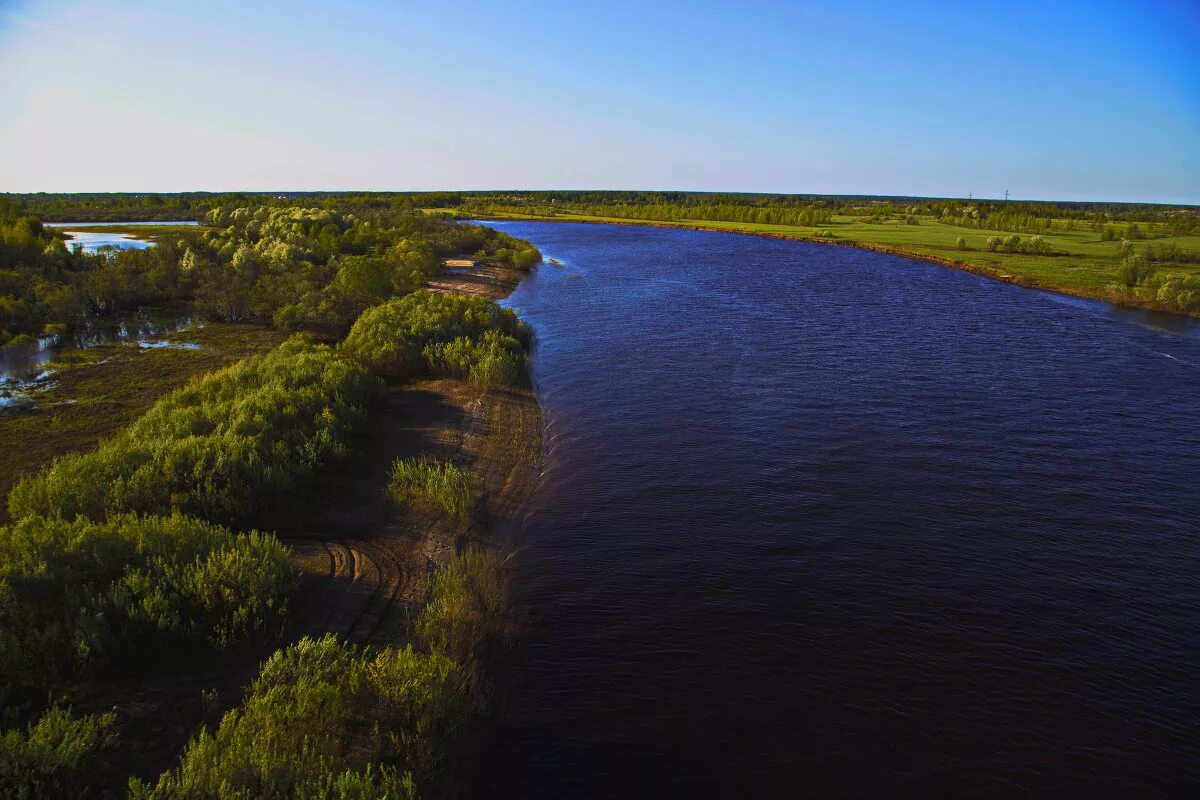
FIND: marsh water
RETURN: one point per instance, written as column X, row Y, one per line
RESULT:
column 817, row 521
column 22, row 367
column 92, row 241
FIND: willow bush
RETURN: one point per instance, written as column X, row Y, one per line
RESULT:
column 445, row 334
column 218, row 448
column 56, row 756
column 490, row 361
column 79, row 596
column 325, row 719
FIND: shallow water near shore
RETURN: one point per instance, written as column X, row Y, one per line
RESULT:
column 824, row 521
column 91, row 241
column 23, row 372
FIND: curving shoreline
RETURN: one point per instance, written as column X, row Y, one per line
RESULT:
column 985, row 272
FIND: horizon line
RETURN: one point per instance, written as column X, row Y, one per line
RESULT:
column 1185, row 204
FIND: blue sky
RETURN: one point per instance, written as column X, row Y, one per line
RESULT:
column 1070, row 100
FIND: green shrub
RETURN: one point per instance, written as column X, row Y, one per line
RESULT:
column 467, row 607
column 1037, row 246
column 510, row 250
column 433, row 485
column 77, row 596
column 57, row 756
column 327, row 720
column 219, row 447
column 493, row 360
column 960, row 243
column 409, row 337
column 993, row 243
column 1134, row 270
column 1178, row 293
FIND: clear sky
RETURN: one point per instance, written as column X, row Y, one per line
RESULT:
column 1051, row 100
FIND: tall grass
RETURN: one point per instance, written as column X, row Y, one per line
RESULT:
column 467, row 610
column 438, row 486
column 489, row 362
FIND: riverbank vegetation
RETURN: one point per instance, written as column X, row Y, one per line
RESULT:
column 92, row 394
column 136, row 557
column 328, row 719
column 440, row 334
column 221, row 448
column 57, row 755
column 437, row 486
column 79, row 599
column 325, row 719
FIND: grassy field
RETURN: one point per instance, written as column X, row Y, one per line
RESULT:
column 1081, row 264
column 99, row 390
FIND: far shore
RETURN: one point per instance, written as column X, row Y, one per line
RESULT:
column 987, row 271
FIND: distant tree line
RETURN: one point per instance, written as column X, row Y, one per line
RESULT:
column 1018, row 216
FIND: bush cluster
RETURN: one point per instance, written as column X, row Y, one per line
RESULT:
column 57, row 756
column 79, row 596
column 1134, row 270
column 325, row 719
column 1034, row 245
column 219, row 447
column 1178, row 292
column 441, row 334
column 300, row 268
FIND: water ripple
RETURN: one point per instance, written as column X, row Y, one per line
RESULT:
column 825, row 522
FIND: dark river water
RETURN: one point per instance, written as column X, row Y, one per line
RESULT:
column 823, row 522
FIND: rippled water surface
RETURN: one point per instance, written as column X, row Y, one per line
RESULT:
column 828, row 522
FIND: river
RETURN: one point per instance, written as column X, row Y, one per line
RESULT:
column 823, row 522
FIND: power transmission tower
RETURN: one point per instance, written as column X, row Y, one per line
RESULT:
column 1006, row 195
